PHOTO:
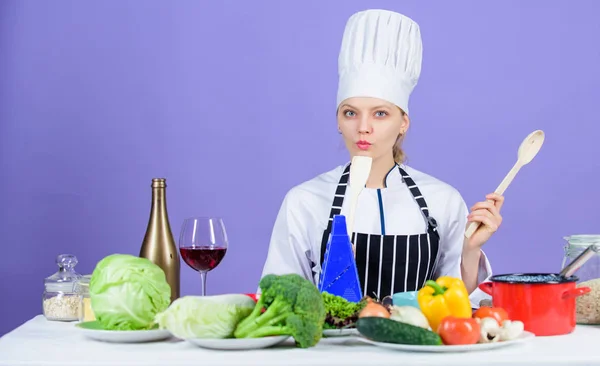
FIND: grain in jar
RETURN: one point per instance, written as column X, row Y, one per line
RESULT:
column 62, row 307
column 60, row 300
column 587, row 307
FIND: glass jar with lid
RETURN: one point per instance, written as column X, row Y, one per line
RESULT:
column 61, row 300
column 86, row 313
column 576, row 244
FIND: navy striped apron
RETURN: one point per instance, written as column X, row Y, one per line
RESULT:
column 389, row 264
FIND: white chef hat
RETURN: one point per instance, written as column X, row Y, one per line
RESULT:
column 380, row 57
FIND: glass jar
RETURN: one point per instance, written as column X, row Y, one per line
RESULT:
column 587, row 307
column 86, row 314
column 60, row 300
column 576, row 244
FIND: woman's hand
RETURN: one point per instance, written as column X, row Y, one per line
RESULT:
column 486, row 213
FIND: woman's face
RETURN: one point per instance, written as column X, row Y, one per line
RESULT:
column 370, row 126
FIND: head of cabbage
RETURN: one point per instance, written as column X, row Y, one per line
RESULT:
column 205, row 316
column 127, row 292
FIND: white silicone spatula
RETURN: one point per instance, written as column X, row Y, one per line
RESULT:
column 527, row 151
column 359, row 174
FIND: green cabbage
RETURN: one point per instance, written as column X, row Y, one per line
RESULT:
column 205, row 316
column 127, row 292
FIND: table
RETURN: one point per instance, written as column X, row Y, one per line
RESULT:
column 41, row 342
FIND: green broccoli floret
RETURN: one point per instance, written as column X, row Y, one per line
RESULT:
column 293, row 306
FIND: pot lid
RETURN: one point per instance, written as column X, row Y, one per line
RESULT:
column 583, row 239
column 533, row 278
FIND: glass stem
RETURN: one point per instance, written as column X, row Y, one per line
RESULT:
column 203, row 279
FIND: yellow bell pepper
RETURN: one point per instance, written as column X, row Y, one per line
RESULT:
column 444, row 297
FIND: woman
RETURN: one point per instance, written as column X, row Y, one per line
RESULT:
column 409, row 226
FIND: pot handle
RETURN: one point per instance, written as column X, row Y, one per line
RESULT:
column 574, row 292
column 486, row 287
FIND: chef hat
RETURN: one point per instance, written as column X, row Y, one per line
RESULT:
column 380, row 57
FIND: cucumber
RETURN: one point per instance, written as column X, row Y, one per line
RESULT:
column 391, row 331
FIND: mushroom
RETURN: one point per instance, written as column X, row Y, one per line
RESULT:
column 511, row 329
column 490, row 330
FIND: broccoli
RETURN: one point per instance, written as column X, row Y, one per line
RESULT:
column 341, row 313
column 292, row 306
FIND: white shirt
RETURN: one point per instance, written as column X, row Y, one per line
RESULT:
column 296, row 239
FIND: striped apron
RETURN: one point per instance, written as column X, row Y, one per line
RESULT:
column 389, row 264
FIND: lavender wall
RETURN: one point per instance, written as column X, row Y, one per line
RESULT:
column 97, row 98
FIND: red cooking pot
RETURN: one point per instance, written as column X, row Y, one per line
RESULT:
column 544, row 302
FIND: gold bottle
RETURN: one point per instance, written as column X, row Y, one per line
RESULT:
column 159, row 245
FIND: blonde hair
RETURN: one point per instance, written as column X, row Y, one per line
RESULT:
column 399, row 154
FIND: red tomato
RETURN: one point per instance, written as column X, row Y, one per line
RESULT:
column 454, row 331
column 490, row 312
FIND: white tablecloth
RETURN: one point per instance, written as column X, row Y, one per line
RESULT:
column 41, row 342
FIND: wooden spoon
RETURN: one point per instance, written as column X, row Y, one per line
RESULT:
column 527, row 151
column 359, row 173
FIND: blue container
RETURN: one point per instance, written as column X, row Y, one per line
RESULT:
column 408, row 298
column 339, row 274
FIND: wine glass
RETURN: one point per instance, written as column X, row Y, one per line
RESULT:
column 203, row 244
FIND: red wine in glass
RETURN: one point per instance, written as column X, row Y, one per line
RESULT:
column 202, row 259
column 203, row 244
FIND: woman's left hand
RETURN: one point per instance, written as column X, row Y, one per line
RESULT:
column 486, row 213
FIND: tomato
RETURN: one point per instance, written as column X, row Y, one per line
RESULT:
column 455, row 331
column 490, row 312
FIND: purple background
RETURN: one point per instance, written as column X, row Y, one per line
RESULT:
column 97, row 98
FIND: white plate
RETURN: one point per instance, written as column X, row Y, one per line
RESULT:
column 340, row 332
column 92, row 330
column 525, row 336
column 237, row 344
